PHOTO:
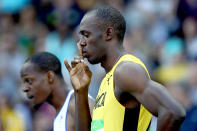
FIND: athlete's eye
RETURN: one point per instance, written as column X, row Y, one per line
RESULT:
column 86, row 35
column 29, row 81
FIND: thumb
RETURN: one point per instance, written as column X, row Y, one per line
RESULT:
column 67, row 65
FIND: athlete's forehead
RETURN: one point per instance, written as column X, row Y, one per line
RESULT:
column 88, row 17
column 28, row 69
column 89, row 21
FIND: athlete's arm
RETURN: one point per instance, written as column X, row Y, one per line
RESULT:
column 132, row 78
column 71, row 115
column 80, row 76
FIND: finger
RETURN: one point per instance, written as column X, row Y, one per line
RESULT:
column 80, row 50
column 77, row 58
column 85, row 65
column 67, row 65
column 87, row 69
column 75, row 62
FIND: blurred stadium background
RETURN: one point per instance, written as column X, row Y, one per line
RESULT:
column 163, row 33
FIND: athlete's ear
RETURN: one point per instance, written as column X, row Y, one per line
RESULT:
column 50, row 77
column 109, row 33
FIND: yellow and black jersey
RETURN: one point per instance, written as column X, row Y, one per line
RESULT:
column 110, row 115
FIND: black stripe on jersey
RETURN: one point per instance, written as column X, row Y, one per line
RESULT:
column 131, row 119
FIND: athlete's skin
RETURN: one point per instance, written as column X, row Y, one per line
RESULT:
column 101, row 45
column 48, row 87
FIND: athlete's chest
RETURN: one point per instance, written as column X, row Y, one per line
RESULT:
column 109, row 94
column 107, row 107
column 104, row 93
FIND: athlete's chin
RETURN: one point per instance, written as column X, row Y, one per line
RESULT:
column 92, row 61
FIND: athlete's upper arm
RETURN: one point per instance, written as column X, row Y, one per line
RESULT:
column 131, row 77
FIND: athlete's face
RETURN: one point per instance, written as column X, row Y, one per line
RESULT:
column 35, row 84
column 91, row 39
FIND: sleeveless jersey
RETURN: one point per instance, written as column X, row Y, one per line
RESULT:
column 110, row 115
column 60, row 121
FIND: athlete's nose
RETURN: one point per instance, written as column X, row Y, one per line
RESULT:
column 26, row 88
column 82, row 42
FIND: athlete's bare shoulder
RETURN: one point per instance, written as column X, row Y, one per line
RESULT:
column 130, row 76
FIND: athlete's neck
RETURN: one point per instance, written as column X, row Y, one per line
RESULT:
column 59, row 95
column 112, row 58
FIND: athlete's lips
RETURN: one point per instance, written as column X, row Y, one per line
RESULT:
column 84, row 53
column 29, row 96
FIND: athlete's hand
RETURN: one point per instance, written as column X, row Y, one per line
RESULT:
column 80, row 74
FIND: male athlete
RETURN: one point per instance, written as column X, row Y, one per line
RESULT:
column 43, row 82
column 127, row 97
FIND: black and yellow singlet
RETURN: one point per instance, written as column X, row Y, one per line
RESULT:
column 110, row 115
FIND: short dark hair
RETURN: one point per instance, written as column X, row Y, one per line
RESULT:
column 46, row 61
column 109, row 16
